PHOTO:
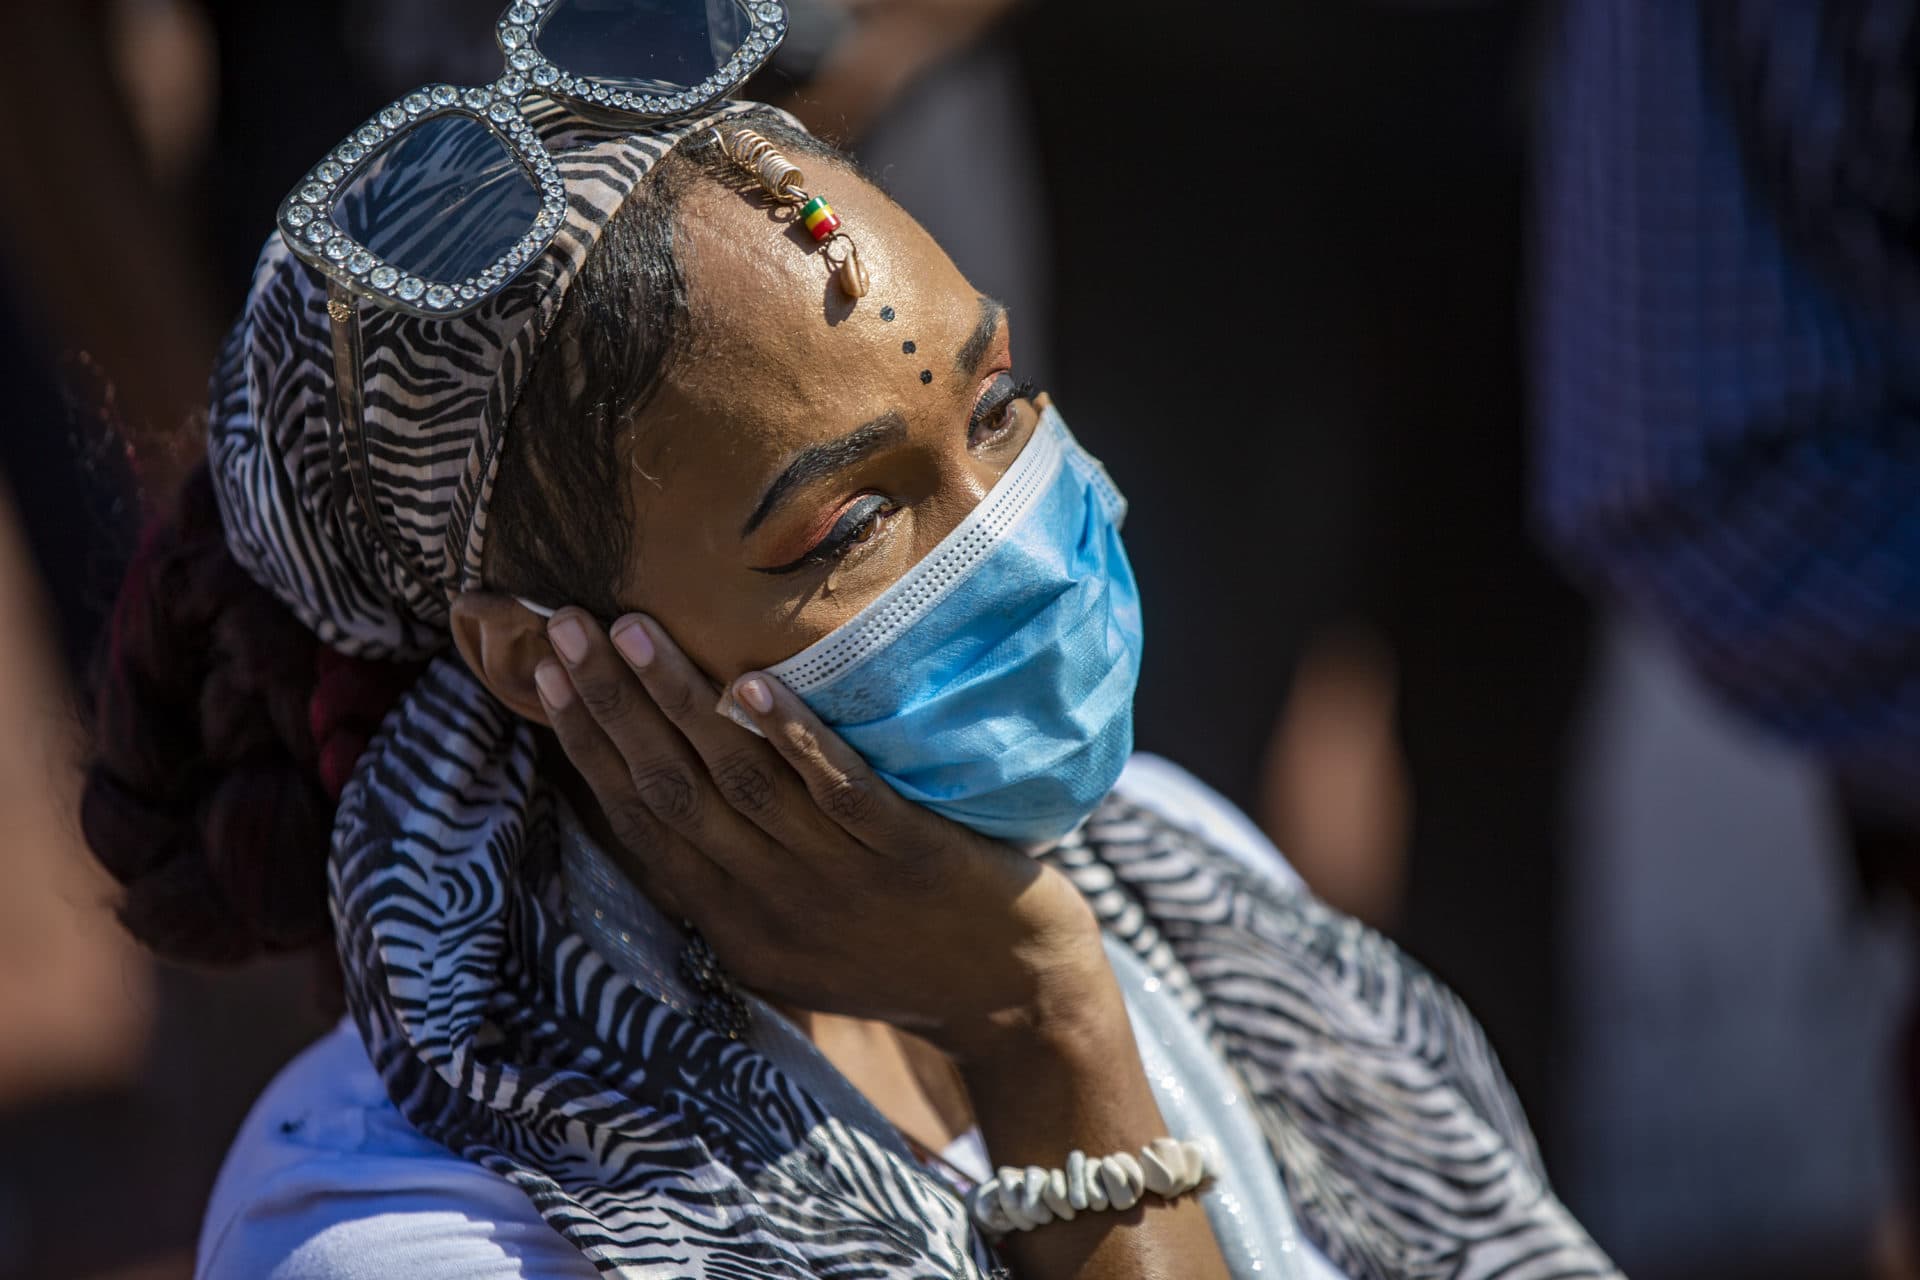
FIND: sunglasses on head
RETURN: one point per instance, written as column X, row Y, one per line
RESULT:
column 440, row 199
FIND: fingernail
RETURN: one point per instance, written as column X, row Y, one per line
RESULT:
column 555, row 689
column 634, row 644
column 569, row 637
column 754, row 692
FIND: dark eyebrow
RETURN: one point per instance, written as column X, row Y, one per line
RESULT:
column 823, row 459
column 967, row 361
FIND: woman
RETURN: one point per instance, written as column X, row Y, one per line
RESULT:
column 754, row 593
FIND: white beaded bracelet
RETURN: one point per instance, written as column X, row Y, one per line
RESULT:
column 1022, row 1199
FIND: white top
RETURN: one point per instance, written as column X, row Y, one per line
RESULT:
column 327, row 1181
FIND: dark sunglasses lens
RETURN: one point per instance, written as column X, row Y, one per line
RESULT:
column 444, row 201
column 651, row 44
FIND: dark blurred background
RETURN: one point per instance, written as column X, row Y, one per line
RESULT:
column 1272, row 259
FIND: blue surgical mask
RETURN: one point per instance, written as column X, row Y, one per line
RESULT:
column 994, row 682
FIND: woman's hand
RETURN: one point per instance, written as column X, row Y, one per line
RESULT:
column 813, row 880
column 817, row 884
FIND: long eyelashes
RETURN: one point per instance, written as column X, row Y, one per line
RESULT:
column 994, row 411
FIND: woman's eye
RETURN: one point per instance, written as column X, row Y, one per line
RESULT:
column 995, row 411
column 856, row 526
column 862, row 532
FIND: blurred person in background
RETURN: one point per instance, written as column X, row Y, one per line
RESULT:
column 1729, row 307
column 1731, row 315
column 257, row 639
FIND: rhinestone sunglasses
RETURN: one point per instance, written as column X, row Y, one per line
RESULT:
column 437, row 202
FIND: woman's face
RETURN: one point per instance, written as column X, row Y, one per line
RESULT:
column 809, row 448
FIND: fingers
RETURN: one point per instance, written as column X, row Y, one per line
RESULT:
column 746, row 771
column 592, row 753
column 656, row 761
column 842, row 784
column 684, row 875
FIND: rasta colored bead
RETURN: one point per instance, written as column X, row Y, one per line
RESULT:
column 819, row 217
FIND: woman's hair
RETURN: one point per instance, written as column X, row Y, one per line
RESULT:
column 223, row 730
column 204, row 796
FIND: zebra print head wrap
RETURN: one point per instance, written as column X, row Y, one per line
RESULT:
column 368, row 550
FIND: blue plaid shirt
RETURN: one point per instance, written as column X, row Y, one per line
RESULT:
column 1729, row 368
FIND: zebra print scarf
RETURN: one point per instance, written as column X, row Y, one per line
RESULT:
column 661, row 1149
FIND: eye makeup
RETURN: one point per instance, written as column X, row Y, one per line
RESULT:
column 856, row 525
column 993, row 415
column 860, row 521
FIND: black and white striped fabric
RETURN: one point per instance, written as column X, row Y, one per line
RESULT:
column 661, row 1149
column 656, row 1147
column 1399, row 1140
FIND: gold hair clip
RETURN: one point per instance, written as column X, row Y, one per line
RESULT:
column 782, row 180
